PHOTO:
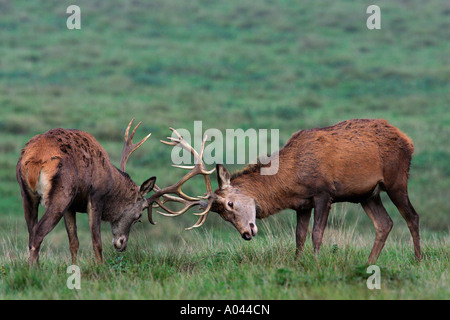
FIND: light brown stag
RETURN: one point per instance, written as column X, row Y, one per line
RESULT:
column 68, row 171
column 352, row 161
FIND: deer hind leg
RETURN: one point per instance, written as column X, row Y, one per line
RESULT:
column 382, row 222
column 52, row 215
column 30, row 208
column 71, row 228
column 58, row 200
column 401, row 200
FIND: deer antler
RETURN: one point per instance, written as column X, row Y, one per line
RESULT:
column 128, row 146
column 188, row 201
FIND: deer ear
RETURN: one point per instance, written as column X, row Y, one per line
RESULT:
column 223, row 177
column 147, row 186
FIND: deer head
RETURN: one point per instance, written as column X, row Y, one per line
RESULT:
column 129, row 212
column 233, row 205
column 129, row 209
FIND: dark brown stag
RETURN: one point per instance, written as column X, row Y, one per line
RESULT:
column 68, row 171
column 352, row 161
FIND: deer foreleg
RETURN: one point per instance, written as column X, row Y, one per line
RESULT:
column 303, row 217
column 322, row 206
column 94, row 213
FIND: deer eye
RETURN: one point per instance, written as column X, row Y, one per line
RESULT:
column 230, row 204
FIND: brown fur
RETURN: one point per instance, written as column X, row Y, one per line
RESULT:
column 351, row 161
column 68, row 171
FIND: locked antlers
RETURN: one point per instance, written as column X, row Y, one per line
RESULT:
column 174, row 193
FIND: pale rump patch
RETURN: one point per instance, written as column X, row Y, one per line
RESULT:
column 43, row 186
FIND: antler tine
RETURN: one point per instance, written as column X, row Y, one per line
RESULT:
column 182, row 143
column 183, row 167
column 128, row 146
column 127, row 131
column 134, row 130
column 200, row 156
column 168, row 142
column 176, row 132
column 203, row 216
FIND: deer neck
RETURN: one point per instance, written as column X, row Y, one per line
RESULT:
column 121, row 189
column 272, row 193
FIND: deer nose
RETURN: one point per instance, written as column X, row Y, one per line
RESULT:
column 121, row 243
column 246, row 236
column 253, row 228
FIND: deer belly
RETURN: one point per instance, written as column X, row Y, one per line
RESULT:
column 355, row 190
column 356, row 175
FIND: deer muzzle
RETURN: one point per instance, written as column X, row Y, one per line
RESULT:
column 120, row 244
column 251, row 232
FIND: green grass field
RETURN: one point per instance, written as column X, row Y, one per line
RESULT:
column 211, row 267
column 287, row 65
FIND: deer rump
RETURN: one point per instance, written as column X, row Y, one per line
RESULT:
column 59, row 156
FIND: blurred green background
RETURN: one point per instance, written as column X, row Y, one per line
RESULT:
column 284, row 64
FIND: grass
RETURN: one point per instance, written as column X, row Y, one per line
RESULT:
column 282, row 64
column 211, row 267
